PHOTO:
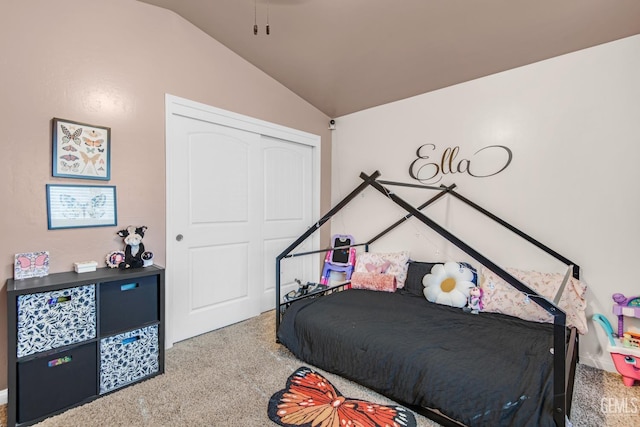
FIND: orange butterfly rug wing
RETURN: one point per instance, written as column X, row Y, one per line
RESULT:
column 309, row 400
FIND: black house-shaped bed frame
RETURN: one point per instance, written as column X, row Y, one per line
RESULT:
column 566, row 350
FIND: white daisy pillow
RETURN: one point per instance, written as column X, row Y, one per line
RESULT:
column 448, row 284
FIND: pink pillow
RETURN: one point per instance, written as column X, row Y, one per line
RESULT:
column 373, row 281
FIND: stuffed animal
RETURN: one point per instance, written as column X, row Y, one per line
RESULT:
column 474, row 304
column 134, row 247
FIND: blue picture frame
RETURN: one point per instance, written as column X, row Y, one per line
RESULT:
column 81, row 150
column 79, row 206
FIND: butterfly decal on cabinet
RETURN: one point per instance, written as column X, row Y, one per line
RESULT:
column 309, row 399
column 69, row 136
column 75, row 209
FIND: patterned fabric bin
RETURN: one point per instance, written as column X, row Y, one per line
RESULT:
column 128, row 357
column 54, row 319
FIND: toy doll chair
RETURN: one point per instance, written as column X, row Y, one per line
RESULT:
column 341, row 258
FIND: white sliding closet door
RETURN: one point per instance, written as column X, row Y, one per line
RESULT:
column 288, row 184
column 239, row 191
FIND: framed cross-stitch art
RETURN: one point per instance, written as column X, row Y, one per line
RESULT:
column 73, row 206
column 81, row 150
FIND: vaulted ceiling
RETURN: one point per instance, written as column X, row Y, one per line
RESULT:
column 344, row 56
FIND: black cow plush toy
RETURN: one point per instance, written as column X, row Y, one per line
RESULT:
column 135, row 248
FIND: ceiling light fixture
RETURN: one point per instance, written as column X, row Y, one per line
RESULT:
column 268, row 29
column 255, row 18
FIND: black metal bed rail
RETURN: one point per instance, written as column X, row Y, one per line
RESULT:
column 548, row 250
column 443, row 190
column 323, row 290
column 317, row 251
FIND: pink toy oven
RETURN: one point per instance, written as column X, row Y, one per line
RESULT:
column 626, row 359
column 627, row 364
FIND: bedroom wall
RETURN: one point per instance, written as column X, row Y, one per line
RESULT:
column 572, row 126
column 110, row 64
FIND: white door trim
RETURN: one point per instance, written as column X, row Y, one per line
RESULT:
column 183, row 107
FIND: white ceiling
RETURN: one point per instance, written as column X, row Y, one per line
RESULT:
column 344, row 56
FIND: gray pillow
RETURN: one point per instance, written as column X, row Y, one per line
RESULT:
column 415, row 273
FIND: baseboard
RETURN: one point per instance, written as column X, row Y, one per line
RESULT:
column 4, row 396
column 605, row 364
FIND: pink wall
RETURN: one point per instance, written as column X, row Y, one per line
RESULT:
column 110, row 64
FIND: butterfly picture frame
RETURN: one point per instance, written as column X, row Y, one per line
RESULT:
column 75, row 206
column 81, row 150
column 31, row 264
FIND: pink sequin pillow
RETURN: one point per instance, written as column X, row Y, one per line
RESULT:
column 374, row 281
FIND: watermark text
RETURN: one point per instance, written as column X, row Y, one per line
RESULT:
column 620, row 405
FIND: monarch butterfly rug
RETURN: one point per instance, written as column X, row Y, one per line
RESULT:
column 309, row 400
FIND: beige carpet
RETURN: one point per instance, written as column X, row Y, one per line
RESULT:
column 226, row 377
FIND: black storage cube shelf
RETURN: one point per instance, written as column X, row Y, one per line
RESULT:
column 48, row 384
column 73, row 337
column 125, row 304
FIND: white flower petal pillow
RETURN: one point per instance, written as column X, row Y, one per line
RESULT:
column 448, row 284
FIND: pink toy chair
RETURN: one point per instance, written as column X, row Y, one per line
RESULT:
column 339, row 259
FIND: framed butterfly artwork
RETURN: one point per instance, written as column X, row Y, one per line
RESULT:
column 81, row 150
column 31, row 264
column 74, row 206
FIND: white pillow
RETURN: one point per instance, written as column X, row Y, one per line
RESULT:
column 448, row 284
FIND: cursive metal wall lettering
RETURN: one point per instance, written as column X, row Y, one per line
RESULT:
column 431, row 172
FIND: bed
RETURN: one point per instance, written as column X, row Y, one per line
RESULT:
column 453, row 366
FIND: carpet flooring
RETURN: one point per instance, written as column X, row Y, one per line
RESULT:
column 226, row 377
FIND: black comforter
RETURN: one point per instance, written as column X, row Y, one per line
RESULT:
column 483, row 370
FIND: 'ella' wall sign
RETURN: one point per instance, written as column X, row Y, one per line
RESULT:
column 487, row 161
